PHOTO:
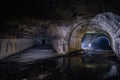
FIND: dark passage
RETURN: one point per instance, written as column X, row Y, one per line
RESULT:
column 43, row 41
column 96, row 41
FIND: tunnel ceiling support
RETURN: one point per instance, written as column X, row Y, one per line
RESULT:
column 73, row 37
column 107, row 22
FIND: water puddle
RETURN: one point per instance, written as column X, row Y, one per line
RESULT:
column 78, row 67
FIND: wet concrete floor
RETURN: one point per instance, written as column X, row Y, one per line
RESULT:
column 76, row 66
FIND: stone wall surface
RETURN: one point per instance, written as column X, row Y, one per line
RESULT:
column 12, row 46
column 107, row 22
column 110, row 23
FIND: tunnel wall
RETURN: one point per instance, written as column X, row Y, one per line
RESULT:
column 12, row 46
column 60, row 46
column 59, row 33
column 75, row 34
column 107, row 22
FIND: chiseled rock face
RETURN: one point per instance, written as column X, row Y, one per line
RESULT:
column 110, row 23
column 107, row 19
column 72, row 8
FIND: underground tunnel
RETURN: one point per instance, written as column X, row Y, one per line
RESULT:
column 60, row 40
column 96, row 41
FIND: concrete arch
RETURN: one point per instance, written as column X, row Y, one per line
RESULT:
column 106, row 22
column 74, row 37
column 109, row 22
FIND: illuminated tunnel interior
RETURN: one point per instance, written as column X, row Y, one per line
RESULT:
column 96, row 41
column 60, row 40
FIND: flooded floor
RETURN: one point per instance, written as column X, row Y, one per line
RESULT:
column 75, row 66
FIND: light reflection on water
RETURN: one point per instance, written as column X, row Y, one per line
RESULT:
column 113, row 71
column 92, row 69
column 78, row 67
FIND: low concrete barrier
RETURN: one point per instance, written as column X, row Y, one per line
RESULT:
column 12, row 46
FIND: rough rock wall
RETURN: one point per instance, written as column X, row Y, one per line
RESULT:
column 110, row 23
column 59, row 33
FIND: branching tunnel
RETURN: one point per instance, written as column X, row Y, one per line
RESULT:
column 60, row 40
column 96, row 41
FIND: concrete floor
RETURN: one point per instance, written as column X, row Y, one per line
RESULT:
column 32, row 54
column 38, row 63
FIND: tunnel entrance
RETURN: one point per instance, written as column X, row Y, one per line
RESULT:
column 44, row 41
column 97, row 41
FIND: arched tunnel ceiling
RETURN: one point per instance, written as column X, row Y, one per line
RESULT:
column 21, row 18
